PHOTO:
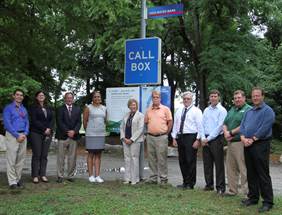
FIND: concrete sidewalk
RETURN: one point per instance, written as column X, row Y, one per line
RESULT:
column 112, row 160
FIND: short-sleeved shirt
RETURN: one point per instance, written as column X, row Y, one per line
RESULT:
column 234, row 118
column 157, row 119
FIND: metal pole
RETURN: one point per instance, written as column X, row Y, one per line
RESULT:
column 143, row 18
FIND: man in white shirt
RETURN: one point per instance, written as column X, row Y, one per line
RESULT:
column 186, row 135
column 212, row 141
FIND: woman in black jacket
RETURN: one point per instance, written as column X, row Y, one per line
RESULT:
column 41, row 118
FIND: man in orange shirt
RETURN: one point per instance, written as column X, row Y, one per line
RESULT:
column 158, row 119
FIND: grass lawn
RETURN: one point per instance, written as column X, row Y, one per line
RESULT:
column 113, row 198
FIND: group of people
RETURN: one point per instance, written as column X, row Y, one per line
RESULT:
column 247, row 131
column 37, row 123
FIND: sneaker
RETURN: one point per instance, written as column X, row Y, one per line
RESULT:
column 92, row 179
column 126, row 182
column 99, row 179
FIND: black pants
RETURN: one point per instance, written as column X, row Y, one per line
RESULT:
column 40, row 146
column 187, row 158
column 257, row 163
column 213, row 154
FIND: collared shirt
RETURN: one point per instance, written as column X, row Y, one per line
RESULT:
column 16, row 119
column 192, row 122
column 157, row 119
column 69, row 107
column 258, row 122
column 213, row 118
column 234, row 118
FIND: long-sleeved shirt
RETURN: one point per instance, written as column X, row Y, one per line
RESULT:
column 258, row 122
column 192, row 122
column 16, row 119
column 213, row 119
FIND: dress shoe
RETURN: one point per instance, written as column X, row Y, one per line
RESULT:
column 208, row 188
column 150, row 181
column 264, row 208
column 134, row 183
column 220, row 192
column 229, row 194
column 35, row 180
column 13, row 186
column 60, row 180
column 248, row 202
column 185, row 187
column 20, row 184
column 70, row 179
column 182, row 186
column 44, row 179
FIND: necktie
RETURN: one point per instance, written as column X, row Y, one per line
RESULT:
column 182, row 121
column 69, row 110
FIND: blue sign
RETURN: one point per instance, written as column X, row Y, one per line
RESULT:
column 165, row 11
column 142, row 61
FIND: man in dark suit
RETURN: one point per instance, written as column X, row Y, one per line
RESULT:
column 68, row 125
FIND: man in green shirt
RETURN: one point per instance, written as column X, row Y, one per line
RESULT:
column 235, row 161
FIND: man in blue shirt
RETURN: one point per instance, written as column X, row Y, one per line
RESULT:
column 212, row 141
column 256, row 132
column 17, row 127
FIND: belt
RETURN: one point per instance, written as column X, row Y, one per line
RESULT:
column 20, row 131
column 188, row 134
column 220, row 135
column 157, row 135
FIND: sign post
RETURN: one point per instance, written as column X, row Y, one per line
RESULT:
column 142, row 61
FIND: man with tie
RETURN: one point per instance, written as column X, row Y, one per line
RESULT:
column 186, row 134
column 17, row 128
column 68, row 125
column 212, row 141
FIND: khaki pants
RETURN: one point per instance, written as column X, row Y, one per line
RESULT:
column 15, row 158
column 131, row 158
column 235, row 165
column 157, row 156
column 66, row 147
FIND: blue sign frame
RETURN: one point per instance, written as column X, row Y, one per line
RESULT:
column 166, row 11
column 142, row 61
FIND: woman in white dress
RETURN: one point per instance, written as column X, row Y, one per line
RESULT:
column 132, row 135
column 94, row 122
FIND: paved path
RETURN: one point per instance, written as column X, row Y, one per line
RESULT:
column 112, row 161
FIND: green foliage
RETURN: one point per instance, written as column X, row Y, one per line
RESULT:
column 66, row 45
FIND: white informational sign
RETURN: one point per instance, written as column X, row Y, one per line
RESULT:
column 116, row 102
